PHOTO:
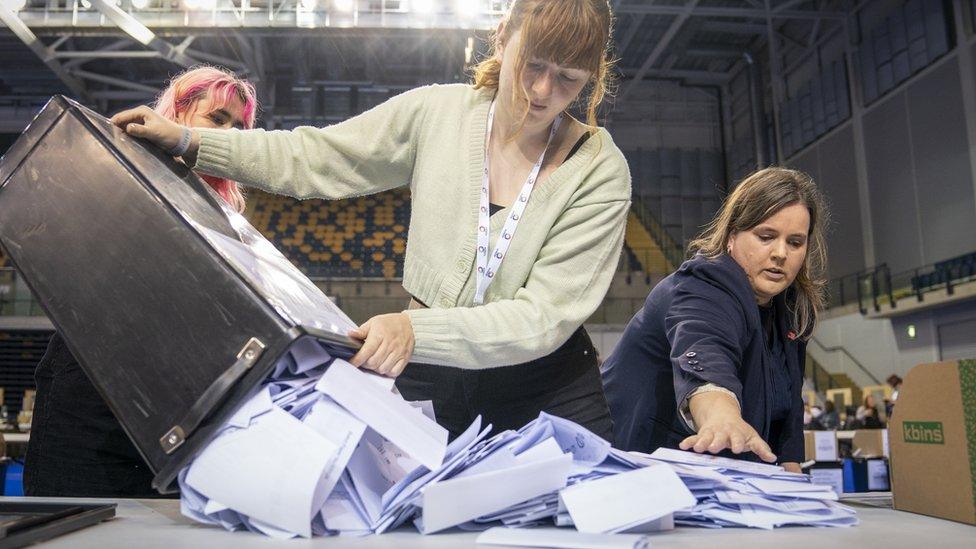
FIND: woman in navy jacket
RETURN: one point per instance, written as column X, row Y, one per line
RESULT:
column 713, row 361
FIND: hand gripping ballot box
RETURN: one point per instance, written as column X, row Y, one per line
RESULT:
column 175, row 307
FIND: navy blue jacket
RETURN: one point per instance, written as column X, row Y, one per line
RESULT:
column 701, row 324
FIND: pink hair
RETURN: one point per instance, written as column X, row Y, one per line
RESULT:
column 186, row 89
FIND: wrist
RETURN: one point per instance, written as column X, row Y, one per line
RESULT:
column 183, row 145
column 714, row 408
column 190, row 156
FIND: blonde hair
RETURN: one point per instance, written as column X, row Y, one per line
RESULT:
column 757, row 198
column 573, row 33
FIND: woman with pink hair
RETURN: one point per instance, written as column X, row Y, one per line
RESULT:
column 77, row 447
column 208, row 97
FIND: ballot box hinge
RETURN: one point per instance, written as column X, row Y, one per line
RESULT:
column 215, row 393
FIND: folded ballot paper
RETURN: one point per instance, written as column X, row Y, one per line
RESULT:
column 327, row 449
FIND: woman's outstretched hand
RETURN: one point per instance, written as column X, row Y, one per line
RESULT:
column 145, row 123
column 721, row 427
column 388, row 344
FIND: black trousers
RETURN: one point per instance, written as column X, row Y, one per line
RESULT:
column 77, row 448
column 565, row 383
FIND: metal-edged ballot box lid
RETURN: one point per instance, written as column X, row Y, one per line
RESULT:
column 176, row 308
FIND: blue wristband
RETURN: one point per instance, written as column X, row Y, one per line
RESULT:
column 184, row 144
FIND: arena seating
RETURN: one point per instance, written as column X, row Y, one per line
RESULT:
column 359, row 237
column 951, row 271
column 643, row 252
column 366, row 237
column 20, row 351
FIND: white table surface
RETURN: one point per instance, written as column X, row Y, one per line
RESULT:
column 150, row 524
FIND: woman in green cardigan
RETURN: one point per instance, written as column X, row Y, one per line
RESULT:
column 495, row 324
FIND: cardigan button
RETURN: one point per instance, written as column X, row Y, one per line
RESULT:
column 693, row 362
column 697, row 368
column 461, row 264
column 446, row 302
column 691, row 354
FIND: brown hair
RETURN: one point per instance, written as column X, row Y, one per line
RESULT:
column 758, row 197
column 574, row 33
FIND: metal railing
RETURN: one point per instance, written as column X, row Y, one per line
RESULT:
column 848, row 356
column 818, row 375
column 868, row 288
column 877, row 286
column 674, row 252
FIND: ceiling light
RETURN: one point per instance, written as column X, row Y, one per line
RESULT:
column 468, row 8
column 422, row 6
column 200, row 4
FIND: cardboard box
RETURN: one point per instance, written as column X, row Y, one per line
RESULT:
column 870, row 443
column 933, row 441
column 820, row 446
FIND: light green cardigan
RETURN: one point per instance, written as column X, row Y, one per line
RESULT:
column 562, row 257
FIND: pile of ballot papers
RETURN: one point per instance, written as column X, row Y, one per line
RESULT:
column 732, row 492
column 361, row 460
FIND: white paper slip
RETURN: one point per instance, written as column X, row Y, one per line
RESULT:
column 425, row 407
column 773, row 486
column 308, row 355
column 340, row 514
column 587, row 448
column 660, row 524
column 342, row 429
column 254, row 407
column 829, row 477
column 386, row 413
column 878, row 475
column 708, row 460
column 626, row 500
column 547, row 449
column 268, row 472
column 561, row 538
column 451, row 502
column 825, row 445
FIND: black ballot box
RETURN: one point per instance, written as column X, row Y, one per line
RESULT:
column 175, row 307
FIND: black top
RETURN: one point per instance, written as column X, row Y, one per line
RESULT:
column 779, row 375
column 495, row 208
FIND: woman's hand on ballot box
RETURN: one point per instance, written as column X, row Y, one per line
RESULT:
column 145, row 123
column 388, row 344
column 720, row 427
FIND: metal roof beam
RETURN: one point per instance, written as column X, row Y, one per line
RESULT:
column 124, row 84
column 46, row 54
column 712, row 50
column 661, row 45
column 746, row 13
column 140, row 33
column 787, row 5
column 734, row 27
column 703, row 77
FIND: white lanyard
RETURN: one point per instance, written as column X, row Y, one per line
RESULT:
column 488, row 267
